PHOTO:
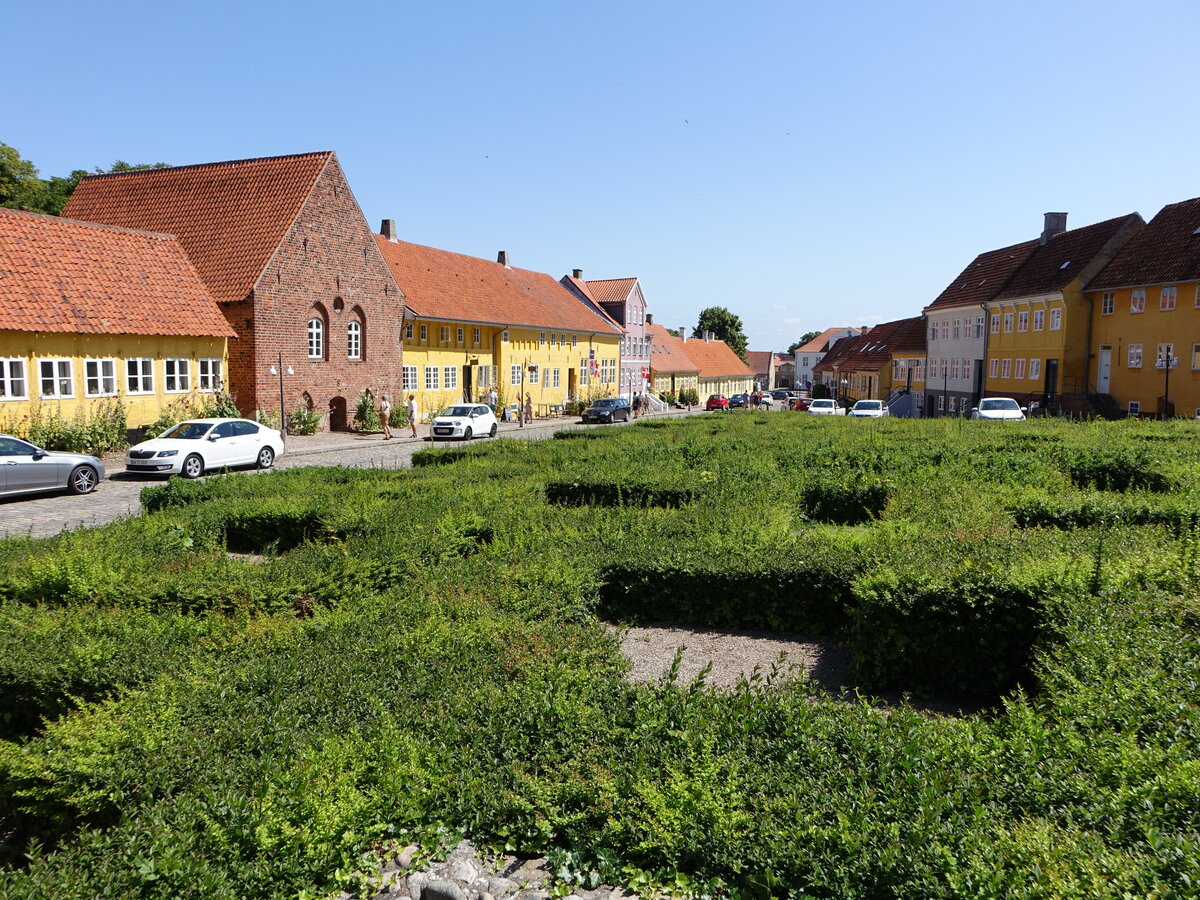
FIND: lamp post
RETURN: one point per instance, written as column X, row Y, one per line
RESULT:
column 1167, row 360
column 279, row 370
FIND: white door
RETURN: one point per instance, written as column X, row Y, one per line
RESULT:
column 1103, row 369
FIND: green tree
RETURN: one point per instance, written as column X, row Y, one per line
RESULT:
column 19, row 182
column 724, row 325
column 804, row 339
column 21, row 188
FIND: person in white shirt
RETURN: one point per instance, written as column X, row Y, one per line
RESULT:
column 412, row 413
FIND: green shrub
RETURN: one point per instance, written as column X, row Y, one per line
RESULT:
column 580, row 493
column 1116, row 469
column 366, row 413
column 845, row 502
column 303, row 420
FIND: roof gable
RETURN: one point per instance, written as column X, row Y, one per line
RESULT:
column 1067, row 256
column 984, row 277
column 61, row 276
column 612, row 290
column 668, row 352
column 230, row 217
column 715, row 359
column 874, row 350
column 444, row 285
column 1166, row 250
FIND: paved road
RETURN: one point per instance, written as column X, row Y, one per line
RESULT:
column 118, row 495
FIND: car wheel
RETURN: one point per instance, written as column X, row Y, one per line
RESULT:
column 492, row 433
column 83, row 480
column 266, row 458
column 193, row 466
column 468, row 433
column 625, row 417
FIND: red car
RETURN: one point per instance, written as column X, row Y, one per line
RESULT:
column 800, row 404
column 717, row 401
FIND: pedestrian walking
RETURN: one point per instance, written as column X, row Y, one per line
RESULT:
column 385, row 414
column 492, row 399
column 412, row 413
column 528, row 407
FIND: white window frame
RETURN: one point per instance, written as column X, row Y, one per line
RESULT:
column 475, row 336
column 1008, row 323
column 409, row 375
column 177, row 375
column 100, row 377
column 1019, row 369
column 995, row 323
column 1195, row 357
column 993, row 368
column 1039, row 320
column 209, row 376
column 13, row 383
column 575, row 337
column 534, row 375
column 408, row 331
column 1167, row 298
column 1056, row 319
column 316, row 338
column 424, row 333
column 1035, row 369
column 460, row 336
column 1023, row 321
column 1135, row 408
column 504, row 337
column 1137, row 301
column 431, row 378
column 1006, row 368
column 139, row 376
column 1134, row 359
column 1108, row 303
column 514, row 374
column 354, row 340
column 585, row 370
column 58, row 380
column 449, row 377
column 557, row 377
column 541, row 339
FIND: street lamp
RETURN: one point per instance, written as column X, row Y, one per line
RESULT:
column 1167, row 360
column 280, row 371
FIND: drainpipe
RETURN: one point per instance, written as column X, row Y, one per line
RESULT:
column 987, row 331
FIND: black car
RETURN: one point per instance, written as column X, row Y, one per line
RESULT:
column 739, row 401
column 610, row 409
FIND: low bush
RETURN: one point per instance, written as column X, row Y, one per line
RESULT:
column 605, row 493
column 1116, row 469
column 845, row 502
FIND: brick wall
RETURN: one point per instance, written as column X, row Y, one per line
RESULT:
column 327, row 265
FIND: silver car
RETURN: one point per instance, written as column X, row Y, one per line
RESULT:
column 26, row 469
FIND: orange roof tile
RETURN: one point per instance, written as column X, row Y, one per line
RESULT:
column 668, row 353
column 439, row 284
column 612, row 290
column 229, row 216
column 759, row 360
column 61, row 276
column 714, row 359
column 873, row 351
column 824, row 341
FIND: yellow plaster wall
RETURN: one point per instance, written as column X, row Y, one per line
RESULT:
column 141, row 409
column 1067, row 344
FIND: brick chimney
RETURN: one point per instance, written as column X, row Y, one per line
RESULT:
column 649, row 319
column 388, row 229
column 577, row 274
column 1056, row 223
column 502, row 258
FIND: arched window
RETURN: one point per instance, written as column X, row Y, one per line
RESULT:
column 354, row 340
column 316, row 338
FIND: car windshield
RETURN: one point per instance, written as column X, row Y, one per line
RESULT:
column 187, row 431
column 610, row 402
column 822, row 403
column 867, row 404
column 459, row 411
column 998, row 404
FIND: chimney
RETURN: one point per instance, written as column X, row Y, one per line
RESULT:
column 649, row 319
column 502, row 258
column 388, row 229
column 683, row 333
column 577, row 274
column 708, row 336
column 1056, row 223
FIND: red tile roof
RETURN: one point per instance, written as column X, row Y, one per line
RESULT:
column 439, row 284
column 668, row 353
column 822, row 342
column 612, row 290
column 985, row 277
column 1066, row 255
column 61, row 276
column 759, row 360
column 1167, row 250
column 229, row 216
column 715, row 359
column 873, row 351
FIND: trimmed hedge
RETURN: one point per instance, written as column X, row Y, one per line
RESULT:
column 607, row 493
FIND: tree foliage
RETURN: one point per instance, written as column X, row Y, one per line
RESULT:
column 724, row 325
column 21, row 188
column 804, row 339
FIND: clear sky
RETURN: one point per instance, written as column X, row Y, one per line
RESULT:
column 804, row 164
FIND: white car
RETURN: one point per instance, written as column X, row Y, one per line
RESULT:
column 998, row 409
column 197, row 445
column 464, row 422
column 826, row 408
column 869, row 409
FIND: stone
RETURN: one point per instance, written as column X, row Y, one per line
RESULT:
column 442, row 889
column 404, row 860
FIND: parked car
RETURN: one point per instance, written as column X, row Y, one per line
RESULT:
column 869, row 409
column 800, row 404
column 193, row 447
column 26, row 468
column 464, row 422
column 610, row 409
column 739, row 401
column 826, row 407
column 781, row 396
column 717, row 401
column 998, row 408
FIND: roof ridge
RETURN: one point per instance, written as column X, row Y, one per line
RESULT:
column 44, row 216
column 211, row 165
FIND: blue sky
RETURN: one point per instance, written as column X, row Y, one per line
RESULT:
column 803, row 164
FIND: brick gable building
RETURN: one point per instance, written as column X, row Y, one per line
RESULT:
column 282, row 245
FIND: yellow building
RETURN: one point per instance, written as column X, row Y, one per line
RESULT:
column 885, row 363
column 1038, row 324
column 720, row 370
column 92, row 315
column 1145, row 335
column 473, row 326
column 671, row 369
